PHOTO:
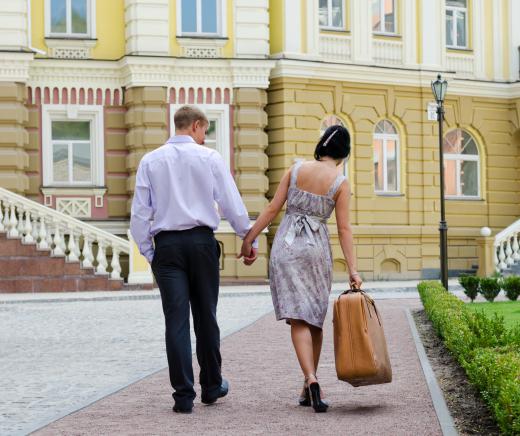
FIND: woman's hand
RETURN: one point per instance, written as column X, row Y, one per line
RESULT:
column 247, row 252
column 355, row 281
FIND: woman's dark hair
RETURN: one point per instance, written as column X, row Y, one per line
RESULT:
column 334, row 143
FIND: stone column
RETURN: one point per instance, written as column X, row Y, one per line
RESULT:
column 147, row 122
column 14, row 138
column 250, row 120
column 486, row 256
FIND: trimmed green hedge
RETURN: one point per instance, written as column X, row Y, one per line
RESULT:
column 485, row 348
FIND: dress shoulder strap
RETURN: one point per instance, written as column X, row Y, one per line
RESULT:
column 294, row 172
column 333, row 189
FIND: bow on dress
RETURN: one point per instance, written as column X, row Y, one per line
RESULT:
column 300, row 223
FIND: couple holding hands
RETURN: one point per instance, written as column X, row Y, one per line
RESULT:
column 173, row 220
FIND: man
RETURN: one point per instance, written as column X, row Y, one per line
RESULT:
column 176, row 188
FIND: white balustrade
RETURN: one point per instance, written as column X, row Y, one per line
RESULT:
column 387, row 52
column 507, row 247
column 462, row 64
column 335, row 47
column 101, row 259
column 64, row 235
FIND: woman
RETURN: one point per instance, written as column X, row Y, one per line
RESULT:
column 301, row 260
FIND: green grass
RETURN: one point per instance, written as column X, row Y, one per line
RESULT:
column 510, row 310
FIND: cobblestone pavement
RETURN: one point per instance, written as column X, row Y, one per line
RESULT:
column 58, row 357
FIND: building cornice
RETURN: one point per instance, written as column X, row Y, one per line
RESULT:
column 14, row 66
column 133, row 71
column 391, row 76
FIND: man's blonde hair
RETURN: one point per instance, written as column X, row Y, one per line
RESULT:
column 186, row 115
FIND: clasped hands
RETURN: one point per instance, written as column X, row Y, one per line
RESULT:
column 248, row 252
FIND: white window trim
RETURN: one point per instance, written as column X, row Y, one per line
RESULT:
column 221, row 20
column 59, row 112
column 382, row 19
column 384, row 137
column 454, row 26
column 329, row 26
column 221, row 113
column 91, row 22
column 459, row 158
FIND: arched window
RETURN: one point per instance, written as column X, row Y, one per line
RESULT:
column 461, row 165
column 333, row 120
column 386, row 158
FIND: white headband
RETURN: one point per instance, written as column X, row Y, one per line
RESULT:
column 329, row 138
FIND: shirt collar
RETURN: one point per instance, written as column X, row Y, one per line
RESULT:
column 181, row 139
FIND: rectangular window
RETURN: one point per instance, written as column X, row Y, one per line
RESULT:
column 72, row 146
column 71, row 152
column 386, row 164
column 456, row 23
column 69, row 18
column 383, row 16
column 331, row 14
column 200, row 17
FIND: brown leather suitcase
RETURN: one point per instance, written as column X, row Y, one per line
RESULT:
column 359, row 340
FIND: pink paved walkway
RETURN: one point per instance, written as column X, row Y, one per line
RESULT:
column 265, row 381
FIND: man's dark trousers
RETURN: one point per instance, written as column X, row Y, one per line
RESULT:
column 186, row 268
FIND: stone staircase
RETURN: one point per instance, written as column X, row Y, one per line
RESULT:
column 24, row 268
column 43, row 250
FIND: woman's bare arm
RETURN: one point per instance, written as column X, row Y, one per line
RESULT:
column 270, row 212
column 346, row 238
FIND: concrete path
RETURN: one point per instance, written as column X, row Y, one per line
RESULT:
column 265, row 381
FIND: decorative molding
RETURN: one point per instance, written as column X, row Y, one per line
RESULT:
column 202, row 47
column 97, row 193
column 389, row 76
column 70, row 48
column 15, row 67
column 75, row 207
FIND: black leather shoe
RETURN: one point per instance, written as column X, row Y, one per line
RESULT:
column 186, row 410
column 222, row 392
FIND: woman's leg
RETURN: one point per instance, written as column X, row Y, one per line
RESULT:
column 303, row 345
column 317, row 341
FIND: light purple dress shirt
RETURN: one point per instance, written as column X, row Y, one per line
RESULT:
column 176, row 188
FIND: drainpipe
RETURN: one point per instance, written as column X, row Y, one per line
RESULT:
column 29, row 32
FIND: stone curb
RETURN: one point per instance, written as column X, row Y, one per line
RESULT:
column 441, row 409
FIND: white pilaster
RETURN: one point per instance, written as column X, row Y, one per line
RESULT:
column 252, row 28
column 361, row 31
column 434, row 34
column 292, row 17
column 479, row 38
column 514, row 31
column 312, row 27
column 147, row 27
column 498, row 70
column 13, row 25
column 409, row 17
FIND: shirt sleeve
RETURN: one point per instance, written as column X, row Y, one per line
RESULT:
column 226, row 195
column 142, row 214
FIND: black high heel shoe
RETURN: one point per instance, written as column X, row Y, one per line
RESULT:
column 305, row 398
column 314, row 392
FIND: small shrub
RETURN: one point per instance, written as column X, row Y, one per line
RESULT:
column 488, row 352
column 489, row 288
column 511, row 286
column 470, row 285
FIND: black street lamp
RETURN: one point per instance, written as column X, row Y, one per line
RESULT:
column 439, row 88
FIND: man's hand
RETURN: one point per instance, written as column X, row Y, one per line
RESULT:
column 248, row 253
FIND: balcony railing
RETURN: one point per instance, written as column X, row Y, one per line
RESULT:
column 387, row 52
column 335, row 47
column 462, row 64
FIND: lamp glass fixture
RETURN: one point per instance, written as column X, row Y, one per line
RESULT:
column 439, row 88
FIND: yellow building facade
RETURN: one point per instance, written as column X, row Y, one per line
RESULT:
column 272, row 75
